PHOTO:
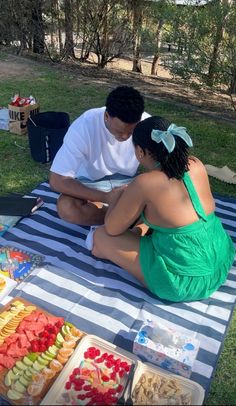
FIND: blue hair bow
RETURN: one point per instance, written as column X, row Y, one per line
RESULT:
column 167, row 137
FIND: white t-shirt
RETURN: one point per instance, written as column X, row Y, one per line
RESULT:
column 90, row 150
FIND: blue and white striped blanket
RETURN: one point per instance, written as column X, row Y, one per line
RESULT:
column 102, row 299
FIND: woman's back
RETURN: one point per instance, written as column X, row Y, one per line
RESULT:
column 168, row 203
column 189, row 247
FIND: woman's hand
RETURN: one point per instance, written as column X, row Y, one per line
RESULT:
column 113, row 196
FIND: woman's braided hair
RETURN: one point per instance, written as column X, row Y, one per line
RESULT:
column 173, row 164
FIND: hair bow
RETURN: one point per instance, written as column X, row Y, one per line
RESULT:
column 167, row 137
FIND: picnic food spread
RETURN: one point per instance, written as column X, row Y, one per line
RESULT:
column 34, row 346
column 47, row 360
column 44, row 359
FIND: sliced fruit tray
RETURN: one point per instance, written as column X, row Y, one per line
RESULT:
column 34, row 347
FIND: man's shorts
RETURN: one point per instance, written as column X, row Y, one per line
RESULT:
column 107, row 183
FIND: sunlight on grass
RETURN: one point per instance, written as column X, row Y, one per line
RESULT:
column 56, row 91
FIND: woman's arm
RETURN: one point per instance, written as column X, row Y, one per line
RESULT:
column 127, row 209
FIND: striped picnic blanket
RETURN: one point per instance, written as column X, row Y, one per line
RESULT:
column 102, row 299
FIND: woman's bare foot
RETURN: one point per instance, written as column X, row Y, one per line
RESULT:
column 140, row 229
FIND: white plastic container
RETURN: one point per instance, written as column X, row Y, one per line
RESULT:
column 10, row 285
column 54, row 394
column 4, row 119
column 187, row 386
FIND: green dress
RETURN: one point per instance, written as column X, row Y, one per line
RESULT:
column 190, row 262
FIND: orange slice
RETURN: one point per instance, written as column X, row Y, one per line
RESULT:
column 75, row 332
column 56, row 365
column 48, row 373
column 38, row 379
column 61, row 359
column 69, row 344
column 66, row 352
column 69, row 337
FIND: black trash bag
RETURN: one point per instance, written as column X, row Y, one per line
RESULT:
column 46, row 132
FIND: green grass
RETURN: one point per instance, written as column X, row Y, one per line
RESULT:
column 223, row 387
column 214, row 143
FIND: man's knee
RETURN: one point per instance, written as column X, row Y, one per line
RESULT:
column 66, row 207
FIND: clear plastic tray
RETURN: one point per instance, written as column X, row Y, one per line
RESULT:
column 54, row 395
column 10, row 285
column 186, row 385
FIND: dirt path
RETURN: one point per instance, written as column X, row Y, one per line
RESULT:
column 202, row 101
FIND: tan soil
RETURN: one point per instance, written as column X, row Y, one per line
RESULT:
column 163, row 87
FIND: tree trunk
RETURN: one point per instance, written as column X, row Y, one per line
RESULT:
column 53, row 22
column 232, row 87
column 137, row 27
column 104, row 44
column 38, row 27
column 30, row 42
column 60, row 45
column 69, row 42
column 77, row 7
column 154, row 67
column 218, row 38
column 213, row 61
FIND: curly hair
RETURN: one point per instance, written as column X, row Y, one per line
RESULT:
column 173, row 164
column 125, row 103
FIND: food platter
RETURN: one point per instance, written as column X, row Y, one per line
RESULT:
column 154, row 386
column 97, row 373
column 34, row 347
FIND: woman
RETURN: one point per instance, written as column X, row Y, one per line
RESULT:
column 188, row 254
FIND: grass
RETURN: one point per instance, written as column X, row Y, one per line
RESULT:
column 214, row 143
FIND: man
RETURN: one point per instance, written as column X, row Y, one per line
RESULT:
column 97, row 147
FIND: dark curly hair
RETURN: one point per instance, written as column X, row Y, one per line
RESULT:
column 125, row 103
column 173, row 164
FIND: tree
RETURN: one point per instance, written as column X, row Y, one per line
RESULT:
column 16, row 24
column 105, row 30
column 69, row 41
column 158, row 14
column 137, row 8
column 221, row 9
column 207, row 34
column 37, row 27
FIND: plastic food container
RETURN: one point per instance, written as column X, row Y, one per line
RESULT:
column 87, row 376
column 6, row 285
column 154, row 386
